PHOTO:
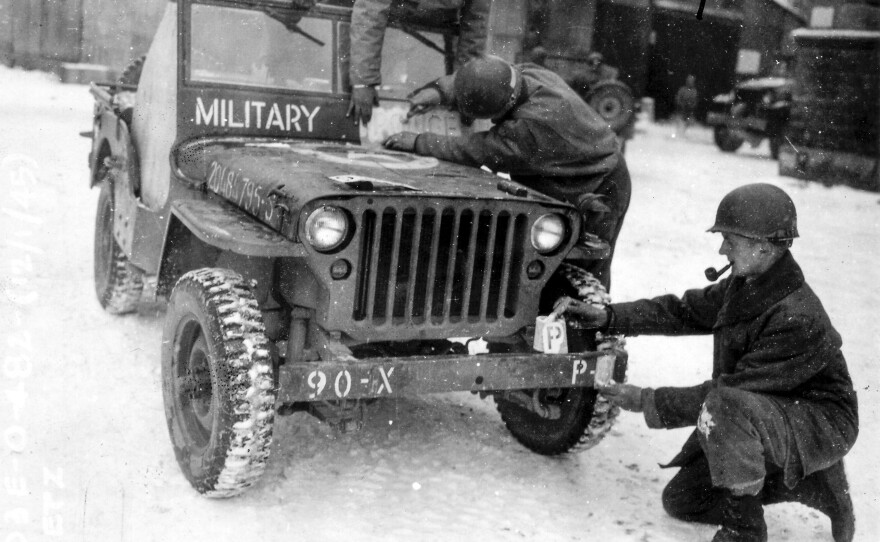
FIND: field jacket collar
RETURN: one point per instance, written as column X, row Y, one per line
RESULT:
column 747, row 300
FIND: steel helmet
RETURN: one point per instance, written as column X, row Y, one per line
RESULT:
column 758, row 211
column 486, row 87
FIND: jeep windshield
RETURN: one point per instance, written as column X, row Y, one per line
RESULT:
column 254, row 48
column 293, row 50
column 410, row 59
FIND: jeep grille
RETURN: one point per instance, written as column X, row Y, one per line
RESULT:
column 426, row 266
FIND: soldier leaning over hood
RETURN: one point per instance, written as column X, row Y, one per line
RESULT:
column 780, row 412
column 542, row 134
column 369, row 19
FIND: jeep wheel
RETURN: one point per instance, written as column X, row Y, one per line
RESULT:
column 217, row 382
column 585, row 417
column 614, row 102
column 726, row 140
column 118, row 283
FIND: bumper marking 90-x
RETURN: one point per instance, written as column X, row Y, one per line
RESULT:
column 383, row 377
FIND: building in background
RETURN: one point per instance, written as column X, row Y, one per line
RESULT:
column 834, row 133
column 654, row 44
column 87, row 38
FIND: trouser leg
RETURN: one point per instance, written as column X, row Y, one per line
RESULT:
column 690, row 496
column 740, row 432
column 616, row 190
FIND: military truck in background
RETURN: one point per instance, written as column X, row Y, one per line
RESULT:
column 834, row 132
column 307, row 269
column 755, row 110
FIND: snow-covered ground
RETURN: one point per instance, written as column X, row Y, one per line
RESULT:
column 84, row 451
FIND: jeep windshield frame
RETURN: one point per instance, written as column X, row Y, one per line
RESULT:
column 268, row 69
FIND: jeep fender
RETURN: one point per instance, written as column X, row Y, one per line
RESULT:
column 205, row 228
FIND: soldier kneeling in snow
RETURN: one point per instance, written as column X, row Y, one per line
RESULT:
column 780, row 412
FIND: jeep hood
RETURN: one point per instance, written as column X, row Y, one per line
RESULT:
column 299, row 172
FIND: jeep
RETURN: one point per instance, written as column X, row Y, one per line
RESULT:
column 756, row 109
column 307, row 269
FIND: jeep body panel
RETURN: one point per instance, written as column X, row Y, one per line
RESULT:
column 113, row 148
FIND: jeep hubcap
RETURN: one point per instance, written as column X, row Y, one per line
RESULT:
column 194, row 392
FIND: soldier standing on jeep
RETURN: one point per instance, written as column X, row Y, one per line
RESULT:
column 369, row 19
column 780, row 412
column 544, row 136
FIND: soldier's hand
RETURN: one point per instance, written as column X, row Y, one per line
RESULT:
column 362, row 101
column 422, row 101
column 626, row 396
column 401, row 141
column 591, row 316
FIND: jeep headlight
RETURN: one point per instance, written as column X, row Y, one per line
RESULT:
column 548, row 233
column 326, row 228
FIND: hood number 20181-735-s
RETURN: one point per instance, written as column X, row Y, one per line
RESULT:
column 240, row 190
column 229, row 113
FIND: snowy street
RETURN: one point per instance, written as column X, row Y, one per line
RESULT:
column 84, row 448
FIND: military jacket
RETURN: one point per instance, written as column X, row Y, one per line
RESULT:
column 550, row 132
column 771, row 336
column 369, row 20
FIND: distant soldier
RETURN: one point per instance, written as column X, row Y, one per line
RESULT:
column 780, row 412
column 369, row 20
column 543, row 135
column 686, row 105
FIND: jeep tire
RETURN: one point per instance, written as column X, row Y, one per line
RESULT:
column 614, row 102
column 585, row 416
column 726, row 140
column 218, row 382
column 118, row 283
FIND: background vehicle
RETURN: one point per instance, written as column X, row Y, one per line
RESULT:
column 596, row 83
column 754, row 110
column 834, row 133
column 309, row 270
column 614, row 101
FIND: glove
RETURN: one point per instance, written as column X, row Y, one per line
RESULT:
column 362, row 101
column 626, row 396
column 401, row 141
column 423, row 100
column 591, row 316
column 593, row 203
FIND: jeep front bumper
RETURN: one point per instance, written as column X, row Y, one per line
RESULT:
column 418, row 375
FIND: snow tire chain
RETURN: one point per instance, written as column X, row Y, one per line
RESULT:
column 590, row 290
column 250, row 387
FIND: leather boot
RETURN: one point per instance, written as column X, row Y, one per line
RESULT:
column 742, row 519
column 826, row 491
